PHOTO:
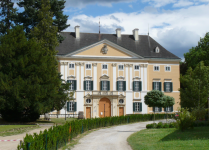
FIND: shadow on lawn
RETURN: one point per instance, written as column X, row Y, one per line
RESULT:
column 198, row 133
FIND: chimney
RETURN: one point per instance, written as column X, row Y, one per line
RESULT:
column 135, row 34
column 118, row 32
column 77, row 32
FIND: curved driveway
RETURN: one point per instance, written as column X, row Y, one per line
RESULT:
column 114, row 138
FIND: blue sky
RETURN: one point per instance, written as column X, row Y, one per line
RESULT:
column 175, row 24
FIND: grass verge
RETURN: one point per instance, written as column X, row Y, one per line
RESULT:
column 7, row 130
column 172, row 139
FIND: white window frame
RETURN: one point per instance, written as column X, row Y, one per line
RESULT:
column 167, row 87
column 71, row 106
column 71, row 66
column 88, row 85
column 120, row 86
column 137, row 67
column 157, row 86
column 136, row 86
column 168, row 109
column 104, row 86
column 137, row 107
column 157, row 109
column 168, row 67
column 120, row 67
column 155, row 68
column 88, row 66
column 104, row 65
column 71, row 88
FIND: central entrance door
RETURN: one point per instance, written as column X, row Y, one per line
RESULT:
column 104, row 108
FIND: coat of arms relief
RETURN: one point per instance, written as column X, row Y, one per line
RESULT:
column 104, row 49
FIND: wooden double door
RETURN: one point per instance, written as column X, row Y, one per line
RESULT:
column 121, row 111
column 104, row 108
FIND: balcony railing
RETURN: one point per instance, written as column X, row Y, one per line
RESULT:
column 97, row 93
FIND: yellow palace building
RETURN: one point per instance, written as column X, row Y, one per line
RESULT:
column 111, row 73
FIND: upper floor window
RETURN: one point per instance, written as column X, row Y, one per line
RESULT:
column 121, row 85
column 167, row 68
column 136, row 67
column 72, row 84
column 168, row 86
column 137, row 86
column 156, row 86
column 88, row 85
column 104, row 66
column 71, row 66
column 120, row 67
column 105, row 85
column 88, row 66
column 156, row 68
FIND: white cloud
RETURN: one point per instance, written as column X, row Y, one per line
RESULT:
column 84, row 3
column 130, row 6
column 159, row 3
column 183, row 4
column 176, row 30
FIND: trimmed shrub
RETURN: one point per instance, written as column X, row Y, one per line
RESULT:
column 160, row 125
column 172, row 125
column 166, row 125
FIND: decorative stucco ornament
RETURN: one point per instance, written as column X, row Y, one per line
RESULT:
column 104, row 49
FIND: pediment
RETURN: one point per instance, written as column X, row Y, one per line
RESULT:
column 104, row 48
column 104, row 77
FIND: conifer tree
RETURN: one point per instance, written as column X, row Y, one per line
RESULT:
column 8, row 15
column 29, row 17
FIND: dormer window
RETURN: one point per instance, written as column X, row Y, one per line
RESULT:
column 157, row 49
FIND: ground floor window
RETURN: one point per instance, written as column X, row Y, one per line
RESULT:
column 137, row 107
column 168, row 109
column 157, row 109
column 71, row 106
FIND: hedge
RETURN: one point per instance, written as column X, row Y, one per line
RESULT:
column 58, row 136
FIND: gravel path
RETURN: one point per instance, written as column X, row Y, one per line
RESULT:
column 114, row 138
column 12, row 145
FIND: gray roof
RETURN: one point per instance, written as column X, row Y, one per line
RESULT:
column 141, row 47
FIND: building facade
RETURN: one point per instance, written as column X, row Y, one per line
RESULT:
column 111, row 73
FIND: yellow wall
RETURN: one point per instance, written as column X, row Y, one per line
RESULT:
column 97, row 51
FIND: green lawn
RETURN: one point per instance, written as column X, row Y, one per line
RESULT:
column 7, row 130
column 172, row 139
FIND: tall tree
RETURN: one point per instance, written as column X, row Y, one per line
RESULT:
column 154, row 98
column 8, row 15
column 198, row 53
column 29, row 17
column 168, row 102
column 196, row 87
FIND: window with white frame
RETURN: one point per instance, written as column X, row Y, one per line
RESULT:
column 120, row 67
column 167, row 68
column 71, row 66
column 71, row 106
column 168, row 88
column 104, row 86
column 88, row 101
column 88, row 66
column 168, row 108
column 136, row 67
column 120, row 85
column 88, row 85
column 136, row 86
column 138, row 107
column 71, row 85
column 104, row 66
column 156, row 68
column 157, row 109
column 157, row 87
